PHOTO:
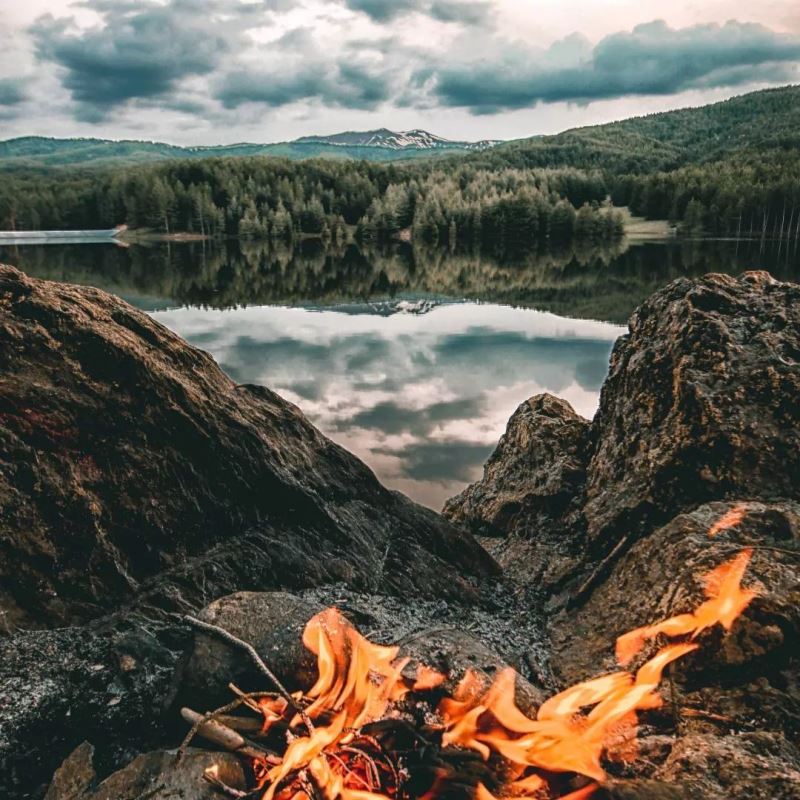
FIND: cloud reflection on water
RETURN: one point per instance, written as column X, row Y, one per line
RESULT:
column 422, row 399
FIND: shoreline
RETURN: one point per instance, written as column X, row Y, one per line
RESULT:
column 144, row 235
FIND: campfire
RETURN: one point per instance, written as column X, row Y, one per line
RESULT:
column 373, row 728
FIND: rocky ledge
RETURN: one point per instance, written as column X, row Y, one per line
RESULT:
column 138, row 483
column 701, row 404
column 125, row 453
column 608, row 522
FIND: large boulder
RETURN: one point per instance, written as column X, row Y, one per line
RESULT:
column 534, row 475
column 701, row 403
column 699, row 421
column 528, row 502
column 124, row 452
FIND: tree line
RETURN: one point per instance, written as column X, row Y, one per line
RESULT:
column 728, row 169
column 273, row 199
column 755, row 196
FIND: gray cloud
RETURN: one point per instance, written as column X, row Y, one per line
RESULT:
column 392, row 418
column 474, row 13
column 11, row 92
column 653, row 59
column 441, row 461
column 196, row 57
column 382, row 11
column 338, row 84
column 142, row 50
column 463, row 12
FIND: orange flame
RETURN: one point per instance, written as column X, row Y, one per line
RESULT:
column 357, row 682
column 730, row 519
column 727, row 600
column 576, row 728
column 560, row 739
column 360, row 682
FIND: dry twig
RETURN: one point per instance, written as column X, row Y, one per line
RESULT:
column 212, row 715
column 227, row 636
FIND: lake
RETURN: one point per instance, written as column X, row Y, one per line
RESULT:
column 412, row 359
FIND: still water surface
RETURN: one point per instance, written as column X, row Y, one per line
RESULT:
column 412, row 360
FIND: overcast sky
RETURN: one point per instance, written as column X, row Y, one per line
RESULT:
column 220, row 71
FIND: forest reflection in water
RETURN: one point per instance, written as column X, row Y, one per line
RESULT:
column 381, row 351
column 601, row 282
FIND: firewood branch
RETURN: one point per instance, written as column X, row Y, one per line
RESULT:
column 200, row 720
column 221, row 633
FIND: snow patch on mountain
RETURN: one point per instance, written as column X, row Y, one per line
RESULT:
column 415, row 139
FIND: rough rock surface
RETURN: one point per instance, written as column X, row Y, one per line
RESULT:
column 527, row 504
column 758, row 766
column 113, row 683
column 739, row 684
column 670, row 562
column 701, row 403
column 154, row 776
column 75, row 776
column 124, row 451
column 698, row 766
column 273, row 623
column 533, row 476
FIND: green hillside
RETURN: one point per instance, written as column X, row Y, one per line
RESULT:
column 761, row 121
column 728, row 169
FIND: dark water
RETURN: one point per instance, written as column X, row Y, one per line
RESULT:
column 414, row 360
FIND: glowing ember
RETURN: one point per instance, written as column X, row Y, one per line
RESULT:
column 330, row 748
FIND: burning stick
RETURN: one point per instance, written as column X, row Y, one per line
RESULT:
column 212, row 715
column 227, row 738
column 227, row 636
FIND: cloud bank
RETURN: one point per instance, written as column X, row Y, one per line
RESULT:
column 222, row 63
column 652, row 59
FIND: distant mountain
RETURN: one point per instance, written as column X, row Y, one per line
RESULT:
column 379, row 145
column 404, row 140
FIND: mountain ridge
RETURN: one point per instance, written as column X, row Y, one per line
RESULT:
column 381, row 144
column 764, row 121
